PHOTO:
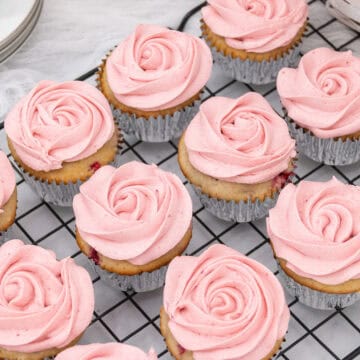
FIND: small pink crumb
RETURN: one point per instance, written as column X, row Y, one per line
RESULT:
column 95, row 166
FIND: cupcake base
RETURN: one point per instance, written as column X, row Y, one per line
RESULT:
column 179, row 353
column 7, row 217
column 316, row 299
column 255, row 72
column 40, row 355
column 328, row 151
column 146, row 281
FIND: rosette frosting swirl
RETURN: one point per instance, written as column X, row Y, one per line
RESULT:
column 110, row 351
column 7, row 180
column 44, row 303
column 156, row 68
column 239, row 140
column 323, row 93
column 137, row 212
column 224, row 305
column 59, row 122
column 256, row 25
column 315, row 228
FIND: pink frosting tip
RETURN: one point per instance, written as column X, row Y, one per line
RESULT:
column 256, row 25
column 239, row 140
column 315, row 227
column 7, row 180
column 59, row 122
column 323, row 93
column 224, row 305
column 44, row 303
column 109, row 351
column 156, row 68
column 137, row 212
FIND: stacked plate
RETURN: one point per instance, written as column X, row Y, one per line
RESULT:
column 17, row 20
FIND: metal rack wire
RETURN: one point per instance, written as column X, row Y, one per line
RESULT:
column 133, row 318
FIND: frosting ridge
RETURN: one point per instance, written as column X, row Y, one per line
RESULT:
column 315, row 228
column 59, row 122
column 44, row 303
column 110, row 351
column 144, row 212
column 7, row 180
column 326, row 97
column 156, row 68
column 256, row 25
column 224, row 305
column 239, row 140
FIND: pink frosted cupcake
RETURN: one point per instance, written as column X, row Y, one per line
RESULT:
column 222, row 305
column 131, row 222
column 154, row 80
column 8, row 196
column 252, row 40
column 314, row 230
column 59, row 135
column 321, row 100
column 237, row 154
column 110, row 351
column 45, row 304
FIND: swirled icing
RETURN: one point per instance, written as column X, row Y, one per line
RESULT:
column 156, row 68
column 315, row 227
column 137, row 212
column 7, row 180
column 44, row 303
column 224, row 305
column 256, row 25
column 59, row 122
column 323, row 93
column 239, row 140
column 109, row 351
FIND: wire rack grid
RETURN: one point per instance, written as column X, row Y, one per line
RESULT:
column 134, row 318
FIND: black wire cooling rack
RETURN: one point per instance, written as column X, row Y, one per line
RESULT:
column 134, row 318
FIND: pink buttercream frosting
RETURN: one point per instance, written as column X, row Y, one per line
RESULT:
column 156, row 68
column 315, row 227
column 323, row 93
column 137, row 212
column 44, row 303
column 109, row 351
column 256, row 25
column 239, row 140
column 7, row 180
column 59, row 122
column 224, row 305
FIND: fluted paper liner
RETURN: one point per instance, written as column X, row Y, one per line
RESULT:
column 316, row 299
column 157, row 129
column 147, row 281
column 327, row 151
column 59, row 194
column 2, row 237
column 255, row 72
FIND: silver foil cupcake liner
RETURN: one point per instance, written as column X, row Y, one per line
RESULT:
column 58, row 194
column 2, row 237
column 242, row 211
column 160, row 128
column 147, row 281
column 327, row 151
column 316, row 299
column 255, row 72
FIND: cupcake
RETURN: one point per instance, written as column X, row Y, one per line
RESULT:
column 314, row 231
column 252, row 40
column 131, row 222
column 222, row 305
column 237, row 154
column 154, row 80
column 45, row 304
column 321, row 100
column 109, row 351
column 8, row 196
column 59, row 135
